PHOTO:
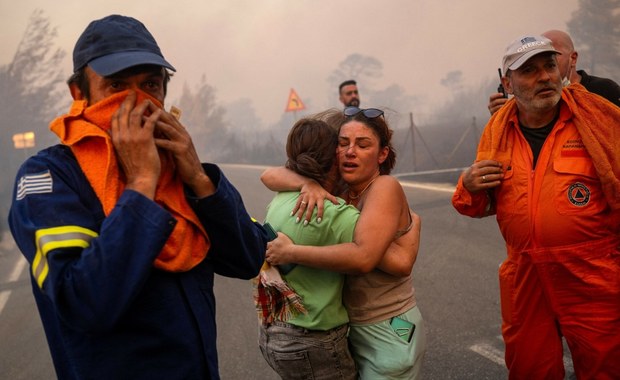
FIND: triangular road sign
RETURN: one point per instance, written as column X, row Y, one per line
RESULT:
column 294, row 102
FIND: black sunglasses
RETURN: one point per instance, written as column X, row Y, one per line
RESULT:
column 370, row 113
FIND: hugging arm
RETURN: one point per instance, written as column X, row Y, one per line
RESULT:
column 402, row 253
column 312, row 193
column 373, row 235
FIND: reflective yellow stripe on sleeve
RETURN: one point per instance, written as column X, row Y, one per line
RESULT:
column 48, row 239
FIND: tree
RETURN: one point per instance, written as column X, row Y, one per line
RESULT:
column 395, row 102
column 453, row 81
column 29, row 87
column 29, row 84
column 242, row 116
column 595, row 30
column 448, row 139
column 359, row 67
column 204, row 119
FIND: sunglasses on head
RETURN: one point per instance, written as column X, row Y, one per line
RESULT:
column 370, row 113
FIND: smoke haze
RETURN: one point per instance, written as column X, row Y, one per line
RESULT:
column 261, row 49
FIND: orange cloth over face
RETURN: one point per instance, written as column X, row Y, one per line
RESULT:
column 597, row 121
column 86, row 131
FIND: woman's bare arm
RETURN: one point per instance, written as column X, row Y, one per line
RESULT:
column 403, row 252
column 282, row 179
column 312, row 193
column 374, row 233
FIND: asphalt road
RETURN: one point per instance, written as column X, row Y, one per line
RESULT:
column 455, row 278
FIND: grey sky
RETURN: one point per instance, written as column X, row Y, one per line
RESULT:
column 259, row 49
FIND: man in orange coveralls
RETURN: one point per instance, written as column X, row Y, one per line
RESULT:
column 548, row 165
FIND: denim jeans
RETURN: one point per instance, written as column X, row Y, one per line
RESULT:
column 297, row 353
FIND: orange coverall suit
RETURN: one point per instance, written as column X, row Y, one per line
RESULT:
column 561, row 276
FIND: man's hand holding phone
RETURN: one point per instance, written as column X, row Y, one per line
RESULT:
column 272, row 234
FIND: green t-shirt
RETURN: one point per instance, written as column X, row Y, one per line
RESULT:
column 321, row 290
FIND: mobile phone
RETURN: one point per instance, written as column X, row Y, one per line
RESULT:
column 271, row 234
column 500, row 88
column 404, row 329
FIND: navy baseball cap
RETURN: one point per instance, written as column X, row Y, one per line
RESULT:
column 115, row 43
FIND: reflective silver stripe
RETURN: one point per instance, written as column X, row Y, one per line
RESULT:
column 43, row 240
column 54, row 238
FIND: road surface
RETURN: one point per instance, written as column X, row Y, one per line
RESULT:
column 455, row 278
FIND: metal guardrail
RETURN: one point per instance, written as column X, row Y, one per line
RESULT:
column 437, row 171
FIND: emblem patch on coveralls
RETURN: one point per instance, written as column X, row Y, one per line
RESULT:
column 578, row 194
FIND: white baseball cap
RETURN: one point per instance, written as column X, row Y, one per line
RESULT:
column 524, row 48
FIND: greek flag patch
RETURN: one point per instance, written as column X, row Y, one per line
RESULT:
column 39, row 183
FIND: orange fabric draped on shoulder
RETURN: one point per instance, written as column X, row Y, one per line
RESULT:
column 85, row 130
column 597, row 121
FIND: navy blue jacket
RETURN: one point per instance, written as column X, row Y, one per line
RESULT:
column 604, row 87
column 107, row 312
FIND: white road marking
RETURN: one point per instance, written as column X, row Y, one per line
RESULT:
column 6, row 241
column 489, row 352
column 18, row 269
column 496, row 355
column 4, row 297
column 13, row 277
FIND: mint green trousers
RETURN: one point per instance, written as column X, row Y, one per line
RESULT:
column 379, row 353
